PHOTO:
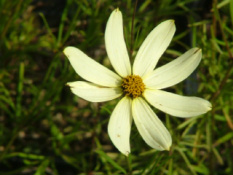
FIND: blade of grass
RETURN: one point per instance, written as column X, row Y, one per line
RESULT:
column 20, row 90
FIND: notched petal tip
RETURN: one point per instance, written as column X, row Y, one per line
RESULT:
column 171, row 20
column 67, row 50
column 69, row 84
column 117, row 9
column 170, row 23
column 209, row 106
column 197, row 50
column 168, row 148
column 126, row 153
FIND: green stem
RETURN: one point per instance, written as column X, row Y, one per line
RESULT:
column 132, row 31
column 129, row 160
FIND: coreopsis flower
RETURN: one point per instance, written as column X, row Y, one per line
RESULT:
column 137, row 85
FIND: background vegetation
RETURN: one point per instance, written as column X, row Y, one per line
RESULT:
column 46, row 130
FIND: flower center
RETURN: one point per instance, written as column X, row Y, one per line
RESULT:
column 133, row 86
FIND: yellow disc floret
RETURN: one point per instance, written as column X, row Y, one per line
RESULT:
column 133, row 86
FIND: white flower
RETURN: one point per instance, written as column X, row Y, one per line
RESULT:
column 138, row 85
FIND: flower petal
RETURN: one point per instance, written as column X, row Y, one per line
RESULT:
column 90, row 70
column 94, row 93
column 175, row 71
column 115, row 44
column 119, row 125
column 177, row 105
column 149, row 126
column 153, row 47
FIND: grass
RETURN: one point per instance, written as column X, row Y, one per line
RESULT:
column 45, row 129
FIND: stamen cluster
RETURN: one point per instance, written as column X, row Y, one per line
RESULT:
column 133, row 86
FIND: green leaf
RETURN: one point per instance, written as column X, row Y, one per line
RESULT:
column 224, row 139
column 42, row 168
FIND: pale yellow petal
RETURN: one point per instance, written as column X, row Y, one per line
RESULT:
column 153, row 47
column 91, row 70
column 120, row 125
column 94, row 93
column 175, row 71
column 149, row 126
column 177, row 105
column 115, row 44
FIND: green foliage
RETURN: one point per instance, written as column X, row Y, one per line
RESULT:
column 45, row 129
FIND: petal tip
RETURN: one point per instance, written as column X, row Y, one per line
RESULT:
column 172, row 21
column 197, row 50
column 116, row 11
column 126, row 153
column 209, row 106
column 67, row 50
column 69, row 84
column 168, row 148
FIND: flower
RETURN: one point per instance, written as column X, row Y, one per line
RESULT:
column 138, row 85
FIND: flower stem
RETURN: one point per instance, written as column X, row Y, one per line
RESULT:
column 132, row 31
